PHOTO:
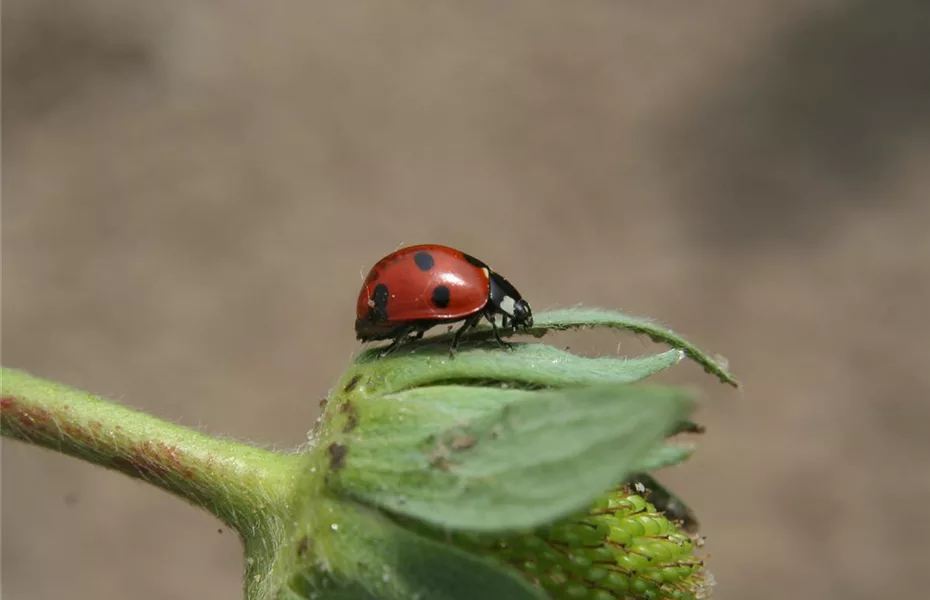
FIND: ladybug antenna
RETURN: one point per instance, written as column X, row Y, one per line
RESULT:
column 399, row 246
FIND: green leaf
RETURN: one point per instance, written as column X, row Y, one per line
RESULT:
column 574, row 318
column 664, row 456
column 434, row 408
column 420, row 412
column 533, row 458
column 364, row 555
column 579, row 317
column 528, row 365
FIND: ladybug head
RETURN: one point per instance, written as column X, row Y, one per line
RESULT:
column 506, row 300
column 522, row 315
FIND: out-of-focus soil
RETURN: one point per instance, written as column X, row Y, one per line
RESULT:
column 192, row 189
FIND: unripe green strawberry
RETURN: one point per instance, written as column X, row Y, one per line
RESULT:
column 622, row 547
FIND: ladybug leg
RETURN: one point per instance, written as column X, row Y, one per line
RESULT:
column 399, row 340
column 497, row 334
column 468, row 324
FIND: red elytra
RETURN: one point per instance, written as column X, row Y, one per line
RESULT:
column 415, row 288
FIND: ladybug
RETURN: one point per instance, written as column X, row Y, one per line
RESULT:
column 416, row 288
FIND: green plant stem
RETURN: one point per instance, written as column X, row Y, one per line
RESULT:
column 227, row 478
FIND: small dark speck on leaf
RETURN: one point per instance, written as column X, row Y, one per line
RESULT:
column 352, row 383
column 303, row 546
column 440, row 463
column 337, row 455
column 463, row 442
column 351, row 424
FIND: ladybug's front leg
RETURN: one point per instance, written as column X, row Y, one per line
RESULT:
column 497, row 334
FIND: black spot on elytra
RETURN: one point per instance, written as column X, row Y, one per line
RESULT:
column 474, row 261
column 352, row 383
column 337, row 455
column 379, row 297
column 424, row 260
column 441, row 296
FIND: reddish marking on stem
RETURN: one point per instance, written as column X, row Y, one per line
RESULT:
column 153, row 460
column 37, row 419
column 36, row 423
column 77, row 433
column 127, row 466
column 146, row 460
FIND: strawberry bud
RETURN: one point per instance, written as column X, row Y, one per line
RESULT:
column 622, row 547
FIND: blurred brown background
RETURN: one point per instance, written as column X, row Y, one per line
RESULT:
column 191, row 190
